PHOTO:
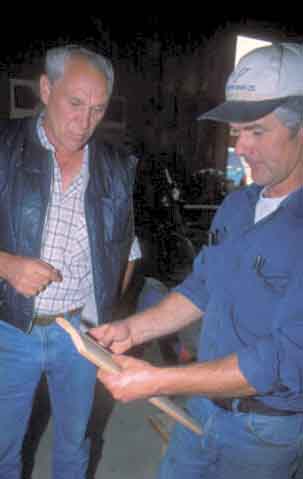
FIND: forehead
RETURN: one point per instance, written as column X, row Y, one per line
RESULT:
column 80, row 74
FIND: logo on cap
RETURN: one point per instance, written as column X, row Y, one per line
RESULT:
column 239, row 73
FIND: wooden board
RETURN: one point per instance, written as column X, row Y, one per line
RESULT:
column 102, row 358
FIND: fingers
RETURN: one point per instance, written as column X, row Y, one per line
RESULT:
column 45, row 275
column 34, row 290
column 42, row 288
column 41, row 277
column 48, row 272
column 130, row 363
column 55, row 276
column 42, row 282
column 115, row 336
column 29, row 276
column 103, row 334
column 120, row 347
column 136, row 380
column 124, row 362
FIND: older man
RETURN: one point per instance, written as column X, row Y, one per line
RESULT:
column 247, row 386
column 66, row 233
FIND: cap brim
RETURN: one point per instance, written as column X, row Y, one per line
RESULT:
column 242, row 111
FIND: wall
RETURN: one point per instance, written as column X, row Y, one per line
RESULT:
column 179, row 84
column 166, row 86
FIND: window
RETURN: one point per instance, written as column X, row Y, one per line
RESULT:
column 246, row 44
column 24, row 98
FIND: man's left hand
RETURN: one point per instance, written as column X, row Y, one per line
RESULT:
column 137, row 379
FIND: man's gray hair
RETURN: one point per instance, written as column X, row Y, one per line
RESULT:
column 291, row 114
column 57, row 57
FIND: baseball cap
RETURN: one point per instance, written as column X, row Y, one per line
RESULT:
column 263, row 80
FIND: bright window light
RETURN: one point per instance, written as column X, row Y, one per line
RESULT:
column 246, row 44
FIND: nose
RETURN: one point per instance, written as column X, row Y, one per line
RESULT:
column 85, row 119
column 244, row 145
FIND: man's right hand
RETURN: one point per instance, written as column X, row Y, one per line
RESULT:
column 29, row 276
column 116, row 336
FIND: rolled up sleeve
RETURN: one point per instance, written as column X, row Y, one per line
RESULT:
column 194, row 287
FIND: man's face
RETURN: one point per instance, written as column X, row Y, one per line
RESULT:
column 273, row 154
column 75, row 104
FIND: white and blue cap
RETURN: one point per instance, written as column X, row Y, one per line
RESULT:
column 264, row 79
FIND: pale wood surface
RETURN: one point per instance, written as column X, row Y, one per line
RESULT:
column 102, row 358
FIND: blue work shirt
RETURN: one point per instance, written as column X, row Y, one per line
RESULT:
column 249, row 283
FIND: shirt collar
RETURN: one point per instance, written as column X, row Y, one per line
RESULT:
column 42, row 134
column 293, row 202
column 48, row 146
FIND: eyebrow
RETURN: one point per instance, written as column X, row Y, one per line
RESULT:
column 253, row 126
column 82, row 101
column 248, row 127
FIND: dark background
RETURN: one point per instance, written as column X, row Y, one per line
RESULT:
column 25, row 29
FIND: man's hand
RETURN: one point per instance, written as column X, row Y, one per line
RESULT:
column 116, row 336
column 137, row 379
column 29, row 276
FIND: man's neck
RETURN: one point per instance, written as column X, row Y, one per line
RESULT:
column 70, row 165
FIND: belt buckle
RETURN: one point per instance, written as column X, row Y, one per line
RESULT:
column 44, row 320
column 47, row 319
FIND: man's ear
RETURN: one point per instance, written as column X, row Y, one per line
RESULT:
column 44, row 89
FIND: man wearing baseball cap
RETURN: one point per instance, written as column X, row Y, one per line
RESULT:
column 246, row 387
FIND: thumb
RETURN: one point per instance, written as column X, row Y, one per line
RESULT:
column 121, row 360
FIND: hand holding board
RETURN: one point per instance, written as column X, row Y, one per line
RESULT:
column 102, row 358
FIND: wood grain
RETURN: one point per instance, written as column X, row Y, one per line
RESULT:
column 102, row 358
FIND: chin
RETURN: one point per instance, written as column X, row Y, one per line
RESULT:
column 263, row 184
column 260, row 180
column 75, row 145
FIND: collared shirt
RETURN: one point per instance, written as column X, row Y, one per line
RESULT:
column 65, row 240
column 266, row 205
column 65, row 243
column 249, row 284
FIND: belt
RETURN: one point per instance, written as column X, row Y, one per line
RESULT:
column 250, row 404
column 47, row 319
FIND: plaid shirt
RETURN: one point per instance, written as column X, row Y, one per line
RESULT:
column 65, row 240
column 65, row 243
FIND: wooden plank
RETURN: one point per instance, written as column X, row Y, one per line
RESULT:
column 102, row 358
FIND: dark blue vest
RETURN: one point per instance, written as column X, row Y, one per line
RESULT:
column 25, row 178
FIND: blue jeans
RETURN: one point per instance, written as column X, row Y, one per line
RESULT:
column 71, row 380
column 234, row 445
column 152, row 293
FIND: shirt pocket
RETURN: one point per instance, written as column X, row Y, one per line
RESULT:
column 258, row 288
column 275, row 280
